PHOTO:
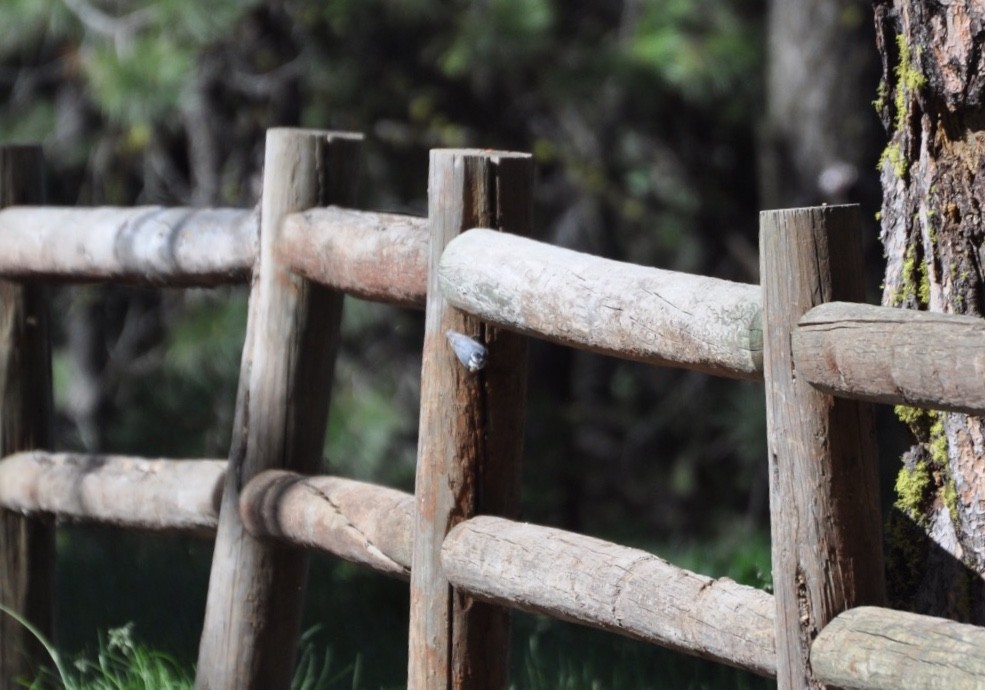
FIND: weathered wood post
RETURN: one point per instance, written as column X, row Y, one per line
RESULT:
column 27, row 545
column 471, row 429
column 252, row 617
column 824, row 499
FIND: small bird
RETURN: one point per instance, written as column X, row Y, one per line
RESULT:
column 470, row 352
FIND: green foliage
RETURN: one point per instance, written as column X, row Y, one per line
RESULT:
column 703, row 49
column 740, row 554
column 372, row 427
column 24, row 22
column 141, row 84
column 500, row 34
column 183, row 407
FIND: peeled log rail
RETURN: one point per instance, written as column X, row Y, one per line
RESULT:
column 114, row 489
column 612, row 587
column 148, row 245
column 636, row 312
column 540, row 569
column 376, row 256
column 880, row 649
column 894, row 356
column 359, row 522
column 619, row 309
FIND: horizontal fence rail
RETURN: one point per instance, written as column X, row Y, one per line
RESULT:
column 533, row 568
column 625, row 310
column 615, row 308
column 124, row 491
column 880, row 649
column 375, row 256
column 614, row 588
column 540, row 569
column 363, row 523
column 896, row 356
column 147, row 245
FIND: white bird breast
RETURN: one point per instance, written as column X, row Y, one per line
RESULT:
column 470, row 352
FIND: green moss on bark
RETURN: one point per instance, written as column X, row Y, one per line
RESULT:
column 913, row 489
column 909, row 80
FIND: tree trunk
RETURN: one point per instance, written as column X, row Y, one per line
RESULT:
column 820, row 137
column 931, row 103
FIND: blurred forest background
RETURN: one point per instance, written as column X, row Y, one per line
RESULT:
column 659, row 129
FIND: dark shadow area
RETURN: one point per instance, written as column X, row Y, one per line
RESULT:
column 550, row 654
column 923, row 577
column 107, row 578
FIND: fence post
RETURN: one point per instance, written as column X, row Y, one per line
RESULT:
column 471, row 429
column 824, row 497
column 27, row 544
column 252, row 616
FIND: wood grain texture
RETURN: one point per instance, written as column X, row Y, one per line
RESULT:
column 366, row 524
column 824, row 500
column 27, row 545
column 144, row 245
column 612, row 587
column 129, row 492
column 253, row 611
column 471, row 429
column 624, row 310
column 894, row 356
column 879, row 649
column 376, row 256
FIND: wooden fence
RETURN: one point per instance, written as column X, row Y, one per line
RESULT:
column 823, row 358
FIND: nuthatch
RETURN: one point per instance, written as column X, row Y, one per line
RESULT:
column 470, row 352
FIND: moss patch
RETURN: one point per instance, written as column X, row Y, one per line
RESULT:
column 909, row 80
column 915, row 285
column 913, row 490
column 920, row 480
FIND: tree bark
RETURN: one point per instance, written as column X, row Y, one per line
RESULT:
column 931, row 103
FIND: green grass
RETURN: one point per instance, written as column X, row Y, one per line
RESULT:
column 121, row 663
column 356, row 622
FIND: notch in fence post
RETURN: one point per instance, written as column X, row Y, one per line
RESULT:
column 824, row 494
column 471, row 428
column 27, row 543
column 253, row 612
